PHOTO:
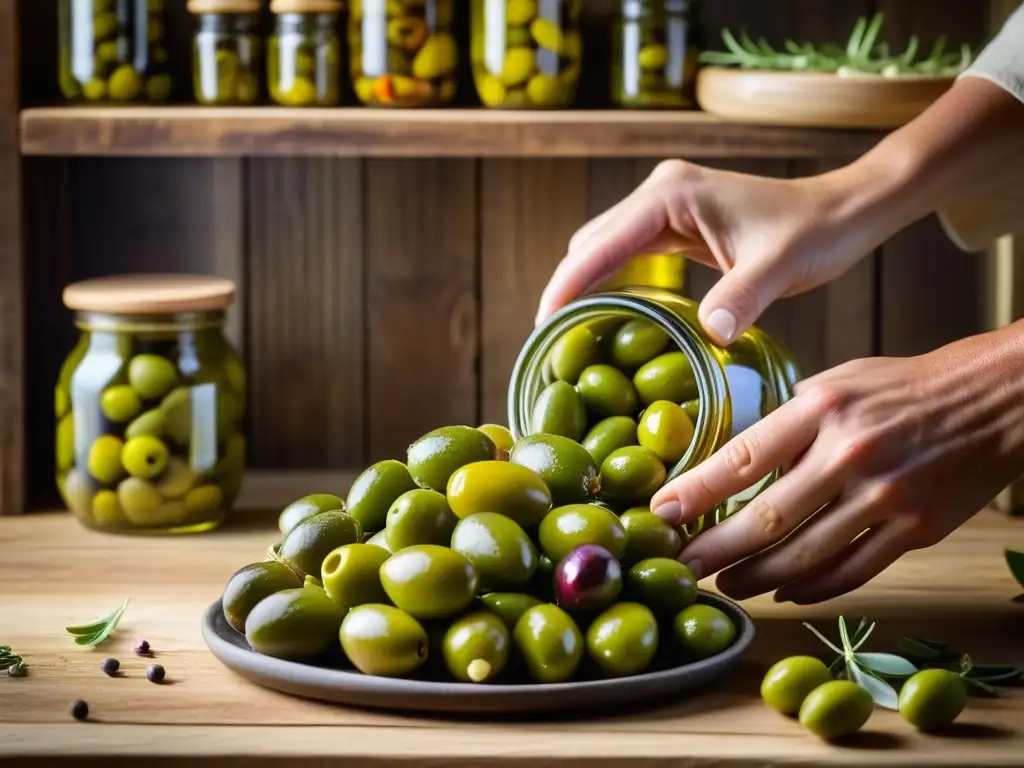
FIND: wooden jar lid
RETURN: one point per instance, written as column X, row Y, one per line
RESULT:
column 223, row 6
column 305, row 6
column 150, row 294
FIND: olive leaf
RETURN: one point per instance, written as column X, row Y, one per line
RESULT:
column 884, row 695
column 886, row 664
column 1015, row 560
column 982, row 679
column 99, row 630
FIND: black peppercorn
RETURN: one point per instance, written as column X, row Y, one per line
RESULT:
column 142, row 647
column 155, row 673
column 110, row 667
column 79, row 709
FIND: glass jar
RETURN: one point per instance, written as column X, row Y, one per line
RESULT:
column 150, row 405
column 113, row 51
column 653, row 270
column 526, row 54
column 304, row 53
column 403, row 52
column 654, row 63
column 723, row 391
column 226, row 59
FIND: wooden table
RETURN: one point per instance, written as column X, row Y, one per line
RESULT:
column 53, row 573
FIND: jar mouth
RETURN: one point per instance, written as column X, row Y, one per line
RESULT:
column 135, row 323
column 526, row 382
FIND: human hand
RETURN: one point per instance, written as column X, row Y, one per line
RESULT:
column 888, row 455
column 771, row 237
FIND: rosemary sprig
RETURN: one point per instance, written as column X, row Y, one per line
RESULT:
column 97, row 631
column 863, row 54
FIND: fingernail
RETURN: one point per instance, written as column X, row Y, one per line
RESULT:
column 671, row 512
column 723, row 323
column 696, row 568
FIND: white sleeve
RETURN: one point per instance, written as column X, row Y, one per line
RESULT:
column 994, row 206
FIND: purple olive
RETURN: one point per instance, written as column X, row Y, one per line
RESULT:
column 589, row 578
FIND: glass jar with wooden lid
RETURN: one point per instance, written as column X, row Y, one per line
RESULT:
column 304, row 53
column 112, row 51
column 150, row 405
column 654, row 62
column 226, row 53
column 403, row 52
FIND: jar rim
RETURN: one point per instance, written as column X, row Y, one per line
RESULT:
column 156, row 294
column 149, row 323
column 305, row 6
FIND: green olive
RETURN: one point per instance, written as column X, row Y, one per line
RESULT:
column 692, row 409
column 520, row 12
column 125, row 83
column 567, row 527
column 420, row 516
column 550, row 643
column 106, row 509
column 564, row 465
column 203, row 499
column 104, row 460
column 704, row 631
column 306, row 507
column 663, row 584
column 61, row 402
column 476, row 647
column 145, row 457
column 559, row 410
column 509, row 606
column 575, row 350
column 436, row 58
column 428, row 581
column 251, row 584
column 666, row 377
column 647, row 536
column 544, row 90
column 623, row 639
column 435, row 457
column 176, row 409
column 374, row 491
column 499, row 550
column 609, row 435
column 637, row 342
column 632, row 472
column 120, row 404
column 652, row 57
column 666, row 429
column 788, row 682
column 835, row 709
column 140, row 500
column 500, row 436
column 509, row 489
column 66, row 442
column 383, row 640
column 606, row 391
column 932, row 699
column 520, row 64
column 547, row 34
column 77, row 491
column 351, row 575
column 177, row 480
column 150, row 423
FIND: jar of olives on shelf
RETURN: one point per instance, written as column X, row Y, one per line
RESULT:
column 631, row 376
column 654, row 62
column 226, row 61
column 304, row 53
column 526, row 53
column 403, row 52
column 113, row 51
column 150, row 405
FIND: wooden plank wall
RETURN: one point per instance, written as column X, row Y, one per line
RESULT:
column 381, row 298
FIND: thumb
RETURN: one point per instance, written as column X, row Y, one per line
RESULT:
column 737, row 300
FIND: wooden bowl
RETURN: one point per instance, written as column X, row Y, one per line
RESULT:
column 816, row 99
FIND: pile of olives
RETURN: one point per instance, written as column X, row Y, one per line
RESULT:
column 163, row 450
column 630, row 400
column 302, row 64
column 128, row 59
column 525, row 56
column 479, row 559
column 802, row 686
column 413, row 62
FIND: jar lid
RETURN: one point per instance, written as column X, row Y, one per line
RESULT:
column 223, row 6
column 305, row 6
column 150, row 294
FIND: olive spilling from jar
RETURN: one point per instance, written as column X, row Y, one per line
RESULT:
column 161, row 449
column 403, row 53
column 526, row 55
column 113, row 52
column 493, row 559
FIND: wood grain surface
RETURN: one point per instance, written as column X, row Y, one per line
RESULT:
column 54, row 573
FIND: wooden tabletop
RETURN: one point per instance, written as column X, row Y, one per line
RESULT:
column 53, row 573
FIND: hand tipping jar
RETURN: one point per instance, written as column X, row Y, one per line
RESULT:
column 526, row 54
column 113, row 51
column 632, row 376
column 226, row 61
column 304, row 53
column 654, row 63
column 150, row 405
column 403, row 52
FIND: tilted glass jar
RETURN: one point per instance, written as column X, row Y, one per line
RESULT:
column 729, row 389
column 226, row 60
column 113, row 51
column 150, row 405
column 403, row 52
column 526, row 54
column 304, row 53
column 654, row 62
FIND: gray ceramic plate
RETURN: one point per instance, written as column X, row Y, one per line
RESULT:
column 356, row 689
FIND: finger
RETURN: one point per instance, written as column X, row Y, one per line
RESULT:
column 854, row 567
column 747, row 458
column 766, row 519
column 736, row 301
column 824, row 536
column 622, row 235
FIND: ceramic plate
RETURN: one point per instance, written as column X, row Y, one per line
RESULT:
column 355, row 689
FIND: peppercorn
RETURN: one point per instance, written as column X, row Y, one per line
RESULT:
column 155, row 673
column 110, row 667
column 79, row 709
column 142, row 647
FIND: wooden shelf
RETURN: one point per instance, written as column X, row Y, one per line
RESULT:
column 355, row 132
